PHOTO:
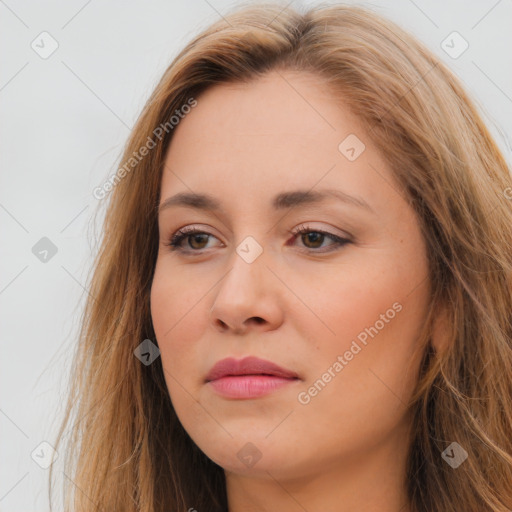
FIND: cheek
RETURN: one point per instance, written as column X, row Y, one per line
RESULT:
column 177, row 324
column 177, row 311
column 340, row 304
column 372, row 319
column 366, row 398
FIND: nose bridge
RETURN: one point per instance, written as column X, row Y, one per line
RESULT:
column 246, row 291
column 247, row 268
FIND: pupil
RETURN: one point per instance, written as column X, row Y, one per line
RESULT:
column 195, row 237
column 316, row 237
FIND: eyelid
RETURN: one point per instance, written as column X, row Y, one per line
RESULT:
column 339, row 241
column 175, row 239
column 330, row 230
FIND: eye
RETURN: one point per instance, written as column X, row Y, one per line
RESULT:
column 312, row 238
column 196, row 239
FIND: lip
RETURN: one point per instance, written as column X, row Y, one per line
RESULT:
column 247, row 366
column 249, row 377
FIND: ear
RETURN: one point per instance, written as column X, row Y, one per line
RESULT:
column 441, row 329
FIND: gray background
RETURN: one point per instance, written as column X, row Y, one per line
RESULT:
column 64, row 120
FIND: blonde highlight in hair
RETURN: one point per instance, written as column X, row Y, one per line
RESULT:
column 126, row 449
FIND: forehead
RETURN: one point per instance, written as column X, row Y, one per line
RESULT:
column 280, row 132
column 276, row 103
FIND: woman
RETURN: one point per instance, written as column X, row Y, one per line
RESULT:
column 303, row 296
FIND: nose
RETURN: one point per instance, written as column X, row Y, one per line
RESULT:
column 249, row 297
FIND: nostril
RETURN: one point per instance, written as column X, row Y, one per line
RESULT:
column 222, row 324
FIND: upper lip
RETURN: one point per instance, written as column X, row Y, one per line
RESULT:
column 247, row 366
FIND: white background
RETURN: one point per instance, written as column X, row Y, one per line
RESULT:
column 63, row 122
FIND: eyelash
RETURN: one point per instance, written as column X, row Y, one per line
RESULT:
column 180, row 235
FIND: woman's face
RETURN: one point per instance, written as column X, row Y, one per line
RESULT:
column 343, row 317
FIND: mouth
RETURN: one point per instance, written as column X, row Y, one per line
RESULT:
column 249, row 386
column 248, row 378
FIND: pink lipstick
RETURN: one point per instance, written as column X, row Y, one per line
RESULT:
column 250, row 377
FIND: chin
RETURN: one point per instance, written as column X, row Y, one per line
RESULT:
column 253, row 454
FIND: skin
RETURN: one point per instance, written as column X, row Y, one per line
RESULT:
column 294, row 305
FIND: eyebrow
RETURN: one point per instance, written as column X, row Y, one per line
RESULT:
column 282, row 201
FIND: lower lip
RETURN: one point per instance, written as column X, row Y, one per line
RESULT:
column 248, row 386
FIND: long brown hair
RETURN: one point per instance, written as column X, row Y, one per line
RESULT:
column 126, row 449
